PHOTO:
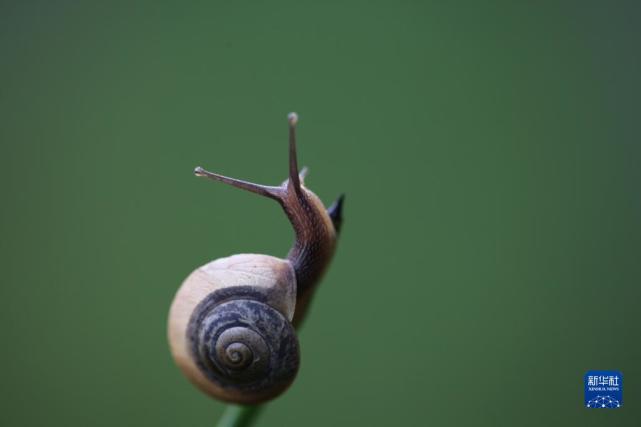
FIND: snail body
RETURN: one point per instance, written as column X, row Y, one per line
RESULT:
column 232, row 322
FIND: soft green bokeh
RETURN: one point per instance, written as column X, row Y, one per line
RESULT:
column 490, row 153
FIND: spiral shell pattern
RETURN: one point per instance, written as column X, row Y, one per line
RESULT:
column 243, row 344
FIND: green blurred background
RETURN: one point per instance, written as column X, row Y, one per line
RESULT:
column 490, row 154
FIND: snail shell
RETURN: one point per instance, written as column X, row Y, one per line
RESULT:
column 230, row 327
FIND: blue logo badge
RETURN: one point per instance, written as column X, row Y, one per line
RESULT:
column 603, row 389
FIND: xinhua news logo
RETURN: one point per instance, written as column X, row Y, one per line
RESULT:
column 603, row 389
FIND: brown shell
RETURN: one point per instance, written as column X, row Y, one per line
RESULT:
column 255, row 283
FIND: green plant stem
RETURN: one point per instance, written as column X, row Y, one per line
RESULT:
column 239, row 416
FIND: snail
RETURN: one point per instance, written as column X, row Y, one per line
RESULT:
column 232, row 322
